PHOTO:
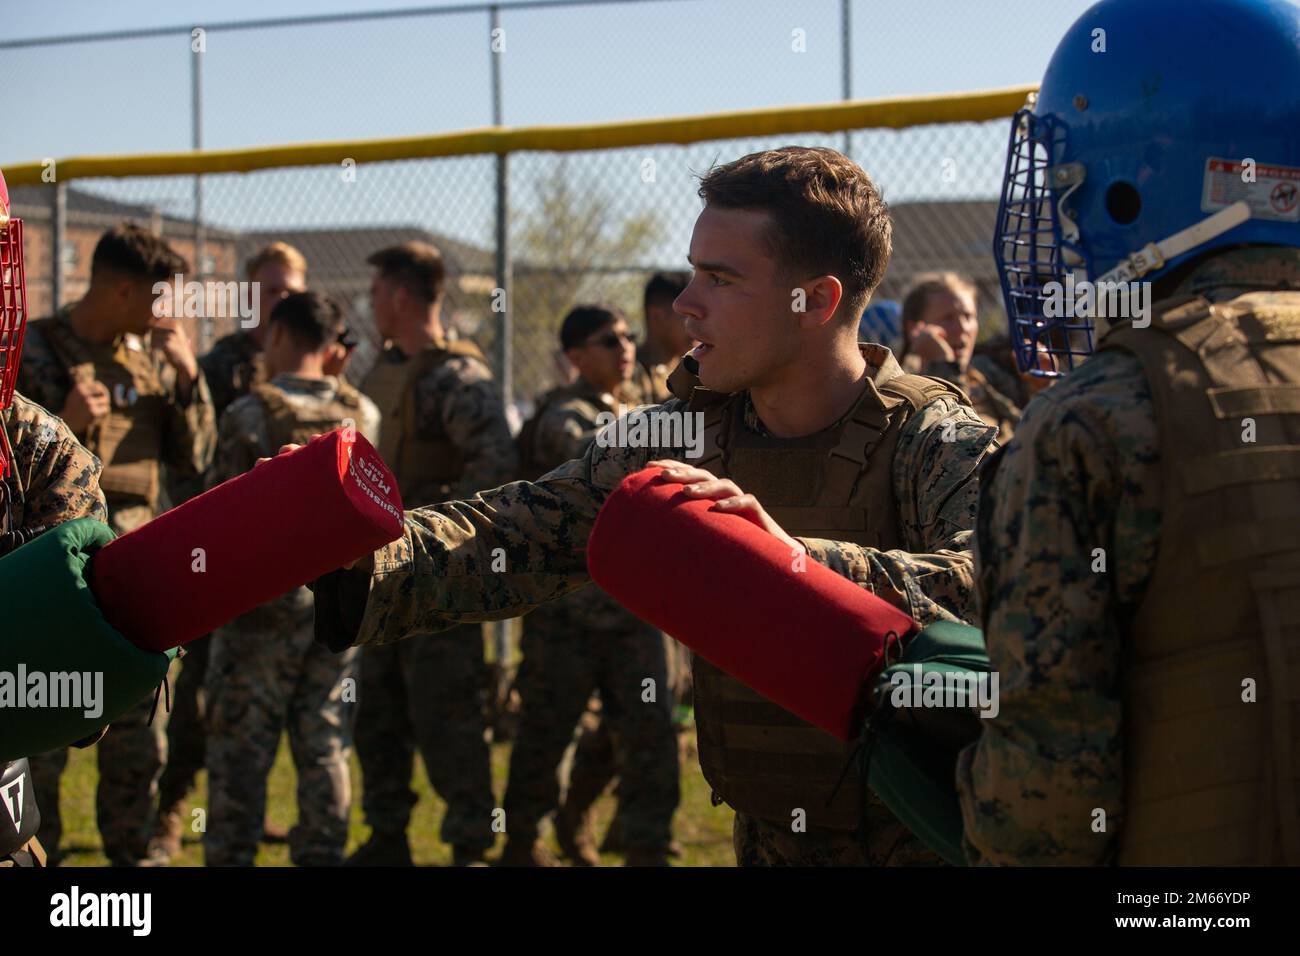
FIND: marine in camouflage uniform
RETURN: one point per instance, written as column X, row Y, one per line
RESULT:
column 132, row 754
column 1087, row 470
column 439, row 573
column 429, row 692
column 582, row 641
column 594, row 766
column 266, row 674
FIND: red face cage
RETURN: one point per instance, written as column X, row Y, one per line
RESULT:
column 13, row 309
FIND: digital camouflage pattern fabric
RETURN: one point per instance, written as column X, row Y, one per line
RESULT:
column 59, row 477
column 1084, row 472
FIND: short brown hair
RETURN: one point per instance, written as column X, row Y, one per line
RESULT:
column 281, row 253
column 417, row 266
column 134, row 251
column 827, row 216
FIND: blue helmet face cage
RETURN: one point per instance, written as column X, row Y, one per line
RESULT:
column 1032, row 250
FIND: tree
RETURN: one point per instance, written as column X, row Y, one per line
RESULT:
column 571, row 244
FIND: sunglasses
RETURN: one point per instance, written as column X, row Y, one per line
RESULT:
column 612, row 340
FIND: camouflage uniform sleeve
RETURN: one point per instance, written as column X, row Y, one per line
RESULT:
column 935, row 477
column 460, row 396
column 1081, row 474
column 242, row 439
column 190, row 430
column 60, row 477
column 498, row 554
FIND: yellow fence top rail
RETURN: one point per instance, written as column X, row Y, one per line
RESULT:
column 893, row 113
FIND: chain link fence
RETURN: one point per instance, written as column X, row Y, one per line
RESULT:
column 583, row 226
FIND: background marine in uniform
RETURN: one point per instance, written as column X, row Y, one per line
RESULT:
column 444, row 435
column 126, row 382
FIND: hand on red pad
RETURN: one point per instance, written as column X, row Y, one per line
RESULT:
column 744, row 599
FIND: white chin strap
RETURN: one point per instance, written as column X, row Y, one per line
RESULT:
column 1154, row 255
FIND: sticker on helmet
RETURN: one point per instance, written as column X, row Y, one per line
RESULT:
column 1272, row 192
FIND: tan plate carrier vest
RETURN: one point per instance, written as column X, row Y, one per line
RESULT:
column 759, row 758
column 413, row 459
column 1209, row 778
column 129, row 439
column 287, row 423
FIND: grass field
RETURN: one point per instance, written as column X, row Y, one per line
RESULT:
column 703, row 830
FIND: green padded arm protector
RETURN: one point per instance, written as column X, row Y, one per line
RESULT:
column 65, row 674
column 911, row 752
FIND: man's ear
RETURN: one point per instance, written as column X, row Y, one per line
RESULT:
column 817, row 300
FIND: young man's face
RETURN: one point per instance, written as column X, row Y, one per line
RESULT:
column 951, row 314
column 606, row 358
column 738, row 304
column 275, row 281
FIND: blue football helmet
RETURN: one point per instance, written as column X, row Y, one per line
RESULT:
column 1162, row 129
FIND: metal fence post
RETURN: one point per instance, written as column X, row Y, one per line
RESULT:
column 505, row 346
column 204, row 333
column 500, row 630
column 58, row 238
column 846, row 68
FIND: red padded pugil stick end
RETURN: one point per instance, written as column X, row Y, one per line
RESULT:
column 249, row 540
column 793, row 630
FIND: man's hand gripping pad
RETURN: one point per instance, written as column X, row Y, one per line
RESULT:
column 794, row 631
